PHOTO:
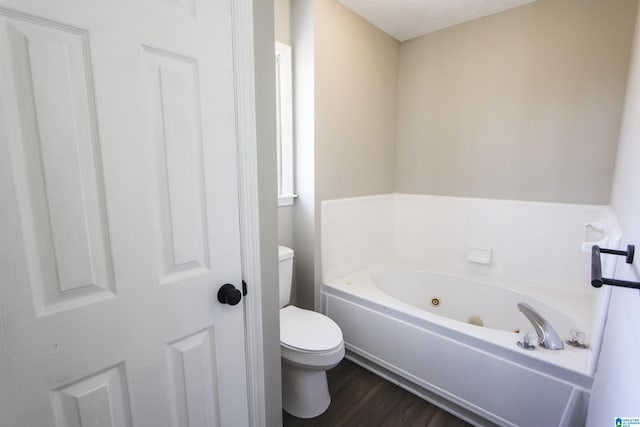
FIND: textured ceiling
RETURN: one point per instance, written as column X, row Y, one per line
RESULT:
column 406, row 19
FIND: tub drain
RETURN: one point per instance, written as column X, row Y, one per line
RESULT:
column 435, row 302
column 475, row 320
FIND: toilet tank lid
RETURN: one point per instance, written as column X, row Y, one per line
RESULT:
column 284, row 253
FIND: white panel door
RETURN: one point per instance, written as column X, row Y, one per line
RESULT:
column 118, row 215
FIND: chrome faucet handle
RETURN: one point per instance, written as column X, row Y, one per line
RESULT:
column 525, row 341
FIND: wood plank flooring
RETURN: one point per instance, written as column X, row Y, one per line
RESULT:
column 361, row 398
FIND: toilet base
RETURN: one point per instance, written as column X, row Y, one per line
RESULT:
column 305, row 392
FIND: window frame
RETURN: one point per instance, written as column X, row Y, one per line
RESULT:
column 284, row 124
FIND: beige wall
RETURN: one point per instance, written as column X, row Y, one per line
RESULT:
column 355, row 78
column 345, row 76
column 355, row 104
column 522, row 105
column 281, row 18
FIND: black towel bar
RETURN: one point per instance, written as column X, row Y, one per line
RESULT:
column 596, row 267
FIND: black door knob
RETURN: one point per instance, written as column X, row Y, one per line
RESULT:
column 228, row 294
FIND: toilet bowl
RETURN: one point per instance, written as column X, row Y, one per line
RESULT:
column 310, row 344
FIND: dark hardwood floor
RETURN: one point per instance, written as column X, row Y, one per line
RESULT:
column 361, row 398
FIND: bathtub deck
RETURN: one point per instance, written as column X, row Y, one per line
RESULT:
column 361, row 398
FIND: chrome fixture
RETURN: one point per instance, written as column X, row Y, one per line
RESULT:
column 577, row 339
column 547, row 336
column 526, row 341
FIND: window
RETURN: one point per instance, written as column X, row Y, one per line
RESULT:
column 284, row 126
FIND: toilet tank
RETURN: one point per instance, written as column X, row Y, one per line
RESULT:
column 285, row 271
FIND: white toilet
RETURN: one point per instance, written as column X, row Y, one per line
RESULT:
column 310, row 344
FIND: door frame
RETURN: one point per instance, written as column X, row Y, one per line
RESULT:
column 254, row 176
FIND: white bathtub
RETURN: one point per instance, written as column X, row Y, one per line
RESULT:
column 479, row 373
column 472, row 301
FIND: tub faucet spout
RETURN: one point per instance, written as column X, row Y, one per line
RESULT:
column 547, row 336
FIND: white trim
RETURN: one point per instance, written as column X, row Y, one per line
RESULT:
column 242, row 16
column 284, row 103
column 286, row 199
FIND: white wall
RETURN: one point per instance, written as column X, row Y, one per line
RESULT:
column 356, row 232
column 264, row 92
column 533, row 244
column 616, row 392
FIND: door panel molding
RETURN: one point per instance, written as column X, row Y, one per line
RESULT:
column 172, row 88
column 101, row 399
column 58, row 161
column 190, row 363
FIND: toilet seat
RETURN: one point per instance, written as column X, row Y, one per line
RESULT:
column 308, row 331
column 309, row 340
